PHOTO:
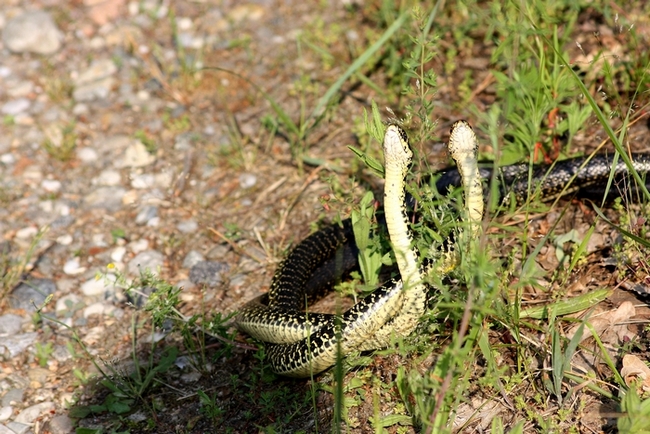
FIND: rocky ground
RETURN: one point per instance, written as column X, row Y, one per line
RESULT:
column 116, row 156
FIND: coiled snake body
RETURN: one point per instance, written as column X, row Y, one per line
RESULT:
column 300, row 343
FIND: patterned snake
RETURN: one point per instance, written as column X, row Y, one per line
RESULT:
column 300, row 343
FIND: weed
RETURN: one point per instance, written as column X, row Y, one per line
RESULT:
column 43, row 353
column 61, row 142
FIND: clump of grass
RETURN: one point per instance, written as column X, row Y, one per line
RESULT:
column 61, row 142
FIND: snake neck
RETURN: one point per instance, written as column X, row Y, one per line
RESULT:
column 397, row 158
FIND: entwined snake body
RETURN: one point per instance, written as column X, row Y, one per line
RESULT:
column 300, row 343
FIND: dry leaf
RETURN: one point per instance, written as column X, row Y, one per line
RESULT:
column 634, row 370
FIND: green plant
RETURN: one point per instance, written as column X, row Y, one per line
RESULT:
column 43, row 353
column 61, row 143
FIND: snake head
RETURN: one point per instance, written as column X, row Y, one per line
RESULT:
column 396, row 145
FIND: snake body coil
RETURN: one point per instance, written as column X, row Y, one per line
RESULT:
column 300, row 343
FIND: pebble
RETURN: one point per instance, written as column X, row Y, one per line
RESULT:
column 51, row 185
column 187, row 226
column 192, row 258
column 150, row 260
column 145, row 215
column 99, row 308
column 14, row 396
column 32, row 32
column 118, row 254
column 135, row 155
column 145, row 180
column 5, row 413
column 61, row 424
column 30, row 414
column 138, row 246
column 30, row 293
column 65, row 240
column 247, row 180
column 72, row 267
column 209, row 273
column 17, row 428
column 97, row 70
column 87, row 155
column 93, row 287
column 108, row 198
column 26, row 233
column 16, row 344
column 16, row 106
column 108, row 178
column 10, row 324
column 97, row 90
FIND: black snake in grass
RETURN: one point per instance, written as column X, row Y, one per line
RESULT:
column 301, row 343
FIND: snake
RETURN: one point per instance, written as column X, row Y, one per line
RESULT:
column 300, row 343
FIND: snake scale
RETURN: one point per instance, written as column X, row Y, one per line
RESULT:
column 300, row 343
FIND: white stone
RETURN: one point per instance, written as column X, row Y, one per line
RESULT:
column 6, row 412
column 99, row 308
column 136, row 155
column 51, row 185
column 27, row 233
column 108, row 177
column 15, row 106
column 93, row 287
column 32, row 32
column 72, row 267
column 87, row 155
column 118, row 254
column 139, row 245
column 65, row 240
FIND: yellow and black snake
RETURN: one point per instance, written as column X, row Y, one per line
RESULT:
column 300, row 343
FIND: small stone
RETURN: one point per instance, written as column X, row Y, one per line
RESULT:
column 17, row 428
column 93, row 287
column 99, row 308
column 27, row 233
column 108, row 177
column 97, row 70
column 208, row 273
column 192, row 258
column 146, row 214
column 8, row 158
column 30, row 414
column 31, row 294
column 14, row 396
column 108, row 198
column 247, row 180
column 87, row 155
column 145, row 180
column 139, row 246
column 64, row 240
column 150, row 260
column 187, row 226
column 15, row 106
column 5, row 413
column 38, row 374
column 118, row 254
column 61, row 424
column 97, row 90
column 16, row 344
column 136, row 155
column 72, row 267
column 10, row 324
column 32, row 32
column 51, row 185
